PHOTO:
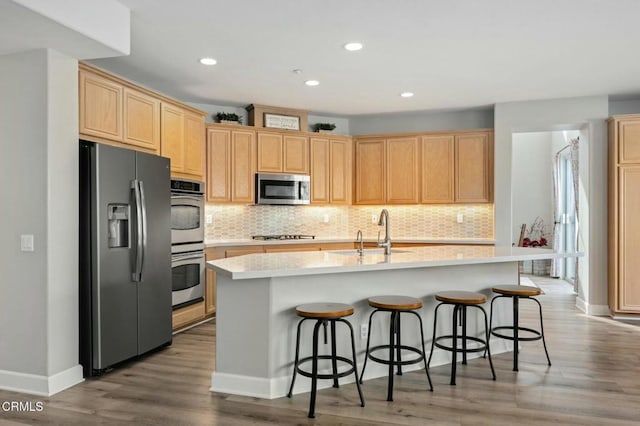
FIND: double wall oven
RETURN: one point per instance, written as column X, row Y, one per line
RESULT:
column 187, row 242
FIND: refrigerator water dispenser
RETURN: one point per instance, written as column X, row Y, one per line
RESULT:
column 118, row 217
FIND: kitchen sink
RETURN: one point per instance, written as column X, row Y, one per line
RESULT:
column 367, row 251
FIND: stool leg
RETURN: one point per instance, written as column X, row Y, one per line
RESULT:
column 366, row 353
column 516, row 346
column 334, row 359
column 426, row 368
column 464, row 334
column 314, row 369
column 542, row 330
column 486, row 332
column 433, row 339
column 454, row 345
column 392, row 325
column 398, row 345
column 355, row 365
column 484, row 354
column 295, row 362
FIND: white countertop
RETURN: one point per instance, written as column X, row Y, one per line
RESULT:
column 264, row 265
column 323, row 240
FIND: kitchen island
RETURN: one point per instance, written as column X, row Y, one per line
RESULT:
column 257, row 295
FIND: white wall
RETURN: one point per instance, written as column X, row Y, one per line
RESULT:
column 532, row 188
column 418, row 121
column 558, row 114
column 629, row 106
column 39, row 169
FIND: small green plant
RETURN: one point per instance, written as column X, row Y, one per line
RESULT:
column 324, row 126
column 228, row 116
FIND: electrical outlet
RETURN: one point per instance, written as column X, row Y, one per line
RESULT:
column 325, row 218
column 460, row 218
column 209, row 218
column 364, row 330
column 374, row 218
column 26, row 242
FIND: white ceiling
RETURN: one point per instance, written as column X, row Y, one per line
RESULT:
column 451, row 54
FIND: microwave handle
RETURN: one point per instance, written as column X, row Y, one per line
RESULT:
column 187, row 197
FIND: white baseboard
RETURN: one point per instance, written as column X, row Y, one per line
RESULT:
column 40, row 385
column 595, row 310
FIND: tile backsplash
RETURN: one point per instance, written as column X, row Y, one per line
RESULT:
column 427, row 221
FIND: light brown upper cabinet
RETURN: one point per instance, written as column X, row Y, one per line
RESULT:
column 473, row 167
column 183, row 141
column 282, row 153
column 330, row 170
column 117, row 112
column 370, row 175
column 624, row 215
column 437, row 169
column 402, row 164
column 101, row 108
column 428, row 168
column 230, row 165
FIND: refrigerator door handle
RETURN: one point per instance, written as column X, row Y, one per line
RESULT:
column 144, row 226
column 136, row 275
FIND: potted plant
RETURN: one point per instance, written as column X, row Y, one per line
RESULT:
column 324, row 127
column 228, row 117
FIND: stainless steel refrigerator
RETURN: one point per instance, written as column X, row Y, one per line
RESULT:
column 125, row 255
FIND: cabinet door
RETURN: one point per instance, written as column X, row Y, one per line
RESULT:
column 629, row 137
column 210, row 293
column 437, row 169
column 370, row 174
column 402, row 170
column 194, row 145
column 340, row 172
column 629, row 240
column 100, row 107
column 172, row 136
column 296, row 154
column 243, row 160
column 269, row 152
column 472, row 164
column 141, row 120
column 320, row 170
column 218, row 165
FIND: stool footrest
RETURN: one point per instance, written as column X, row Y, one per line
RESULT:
column 536, row 334
column 420, row 358
column 459, row 347
column 326, row 375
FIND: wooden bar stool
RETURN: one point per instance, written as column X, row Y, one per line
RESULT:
column 324, row 313
column 517, row 292
column 461, row 300
column 395, row 305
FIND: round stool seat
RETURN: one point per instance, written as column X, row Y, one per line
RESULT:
column 517, row 290
column 324, row 310
column 404, row 303
column 461, row 297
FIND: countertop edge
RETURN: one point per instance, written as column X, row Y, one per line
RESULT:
column 329, row 240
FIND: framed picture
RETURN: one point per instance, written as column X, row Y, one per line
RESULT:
column 276, row 121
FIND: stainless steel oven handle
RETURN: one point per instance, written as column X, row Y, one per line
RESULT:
column 187, row 256
column 136, row 275
column 187, row 197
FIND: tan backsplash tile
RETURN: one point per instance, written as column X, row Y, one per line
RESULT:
column 433, row 221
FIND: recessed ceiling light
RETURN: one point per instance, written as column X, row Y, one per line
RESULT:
column 406, row 94
column 353, row 46
column 312, row 82
column 208, row 61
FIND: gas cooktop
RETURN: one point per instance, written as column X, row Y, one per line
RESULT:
column 284, row 237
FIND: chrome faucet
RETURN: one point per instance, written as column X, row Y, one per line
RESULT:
column 384, row 219
column 360, row 243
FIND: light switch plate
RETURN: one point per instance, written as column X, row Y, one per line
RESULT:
column 26, row 242
column 460, row 218
column 209, row 218
column 325, row 218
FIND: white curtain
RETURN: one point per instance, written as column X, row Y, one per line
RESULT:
column 573, row 146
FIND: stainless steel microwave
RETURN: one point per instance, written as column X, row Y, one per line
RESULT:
column 282, row 189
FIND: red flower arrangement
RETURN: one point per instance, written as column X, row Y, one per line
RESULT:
column 535, row 235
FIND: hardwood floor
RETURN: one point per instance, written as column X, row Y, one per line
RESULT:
column 594, row 380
